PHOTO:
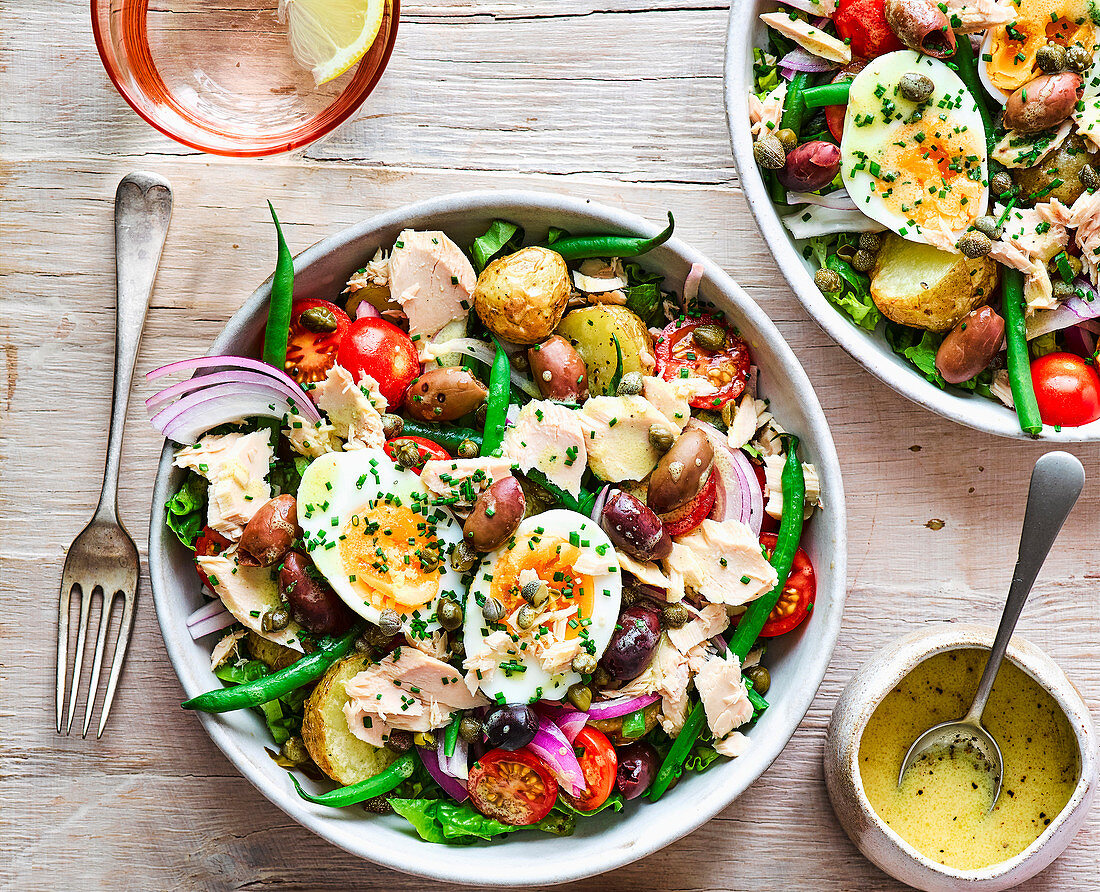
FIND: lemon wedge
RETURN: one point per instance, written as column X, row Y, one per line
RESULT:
column 329, row 36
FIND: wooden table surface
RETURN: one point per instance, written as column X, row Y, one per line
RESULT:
column 616, row 100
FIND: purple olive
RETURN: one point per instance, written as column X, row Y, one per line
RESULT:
column 638, row 765
column 633, row 527
column 921, row 25
column 511, row 727
column 270, row 533
column 1043, row 102
column 810, row 166
column 312, row 601
column 496, row 515
column 632, row 643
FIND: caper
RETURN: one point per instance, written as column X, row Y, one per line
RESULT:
column 828, row 281
column 787, row 138
column 1078, row 58
column 375, row 637
column 1051, row 58
column 400, row 741
column 1074, row 264
column 275, row 620
column 729, row 409
column 392, row 425
column 1001, row 183
column 535, row 592
column 601, row 677
column 450, row 614
column 760, row 677
column 1089, row 178
column 468, row 449
column 319, row 320
column 377, row 805
column 584, row 663
column 975, row 244
column 1062, row 289
column 362, row 645
column 424, row 738
column 479, row 414
column 846, row 253
column 429, row 559
column 675, row 616
column 580, row 695
column 389, row 622
column 527, row 616
column 408, row 455
column 916, row 87
column 988, row 226
column 769, row 153
column 469, row 729
column 709, row 337
column 493, row 611
column 661, row 438
column 463, row 558
column 870, row 241
column 458, row 648
column 294, row 749
column 629, row 597
column 630, row 385
column 863, row 261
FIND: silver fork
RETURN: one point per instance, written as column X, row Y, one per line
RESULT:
column 103, row 557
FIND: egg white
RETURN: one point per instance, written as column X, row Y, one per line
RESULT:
column 534, row 683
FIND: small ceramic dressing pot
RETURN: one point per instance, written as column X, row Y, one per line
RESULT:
column 870, row 833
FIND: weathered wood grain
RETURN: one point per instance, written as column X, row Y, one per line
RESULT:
column 614, row 100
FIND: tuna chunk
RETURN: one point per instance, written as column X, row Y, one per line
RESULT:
column 667, row 675
column 407, row 691
column 548, row 437
column 354, row 409
column 461, row 480
column 311, row 439
column 722, row 690
column 432, row 280
column 671, row 398
column 616, row 430
column 773, row 485
column 248, row 593
column 236, row 466
column 720, row 561
column 711, row 620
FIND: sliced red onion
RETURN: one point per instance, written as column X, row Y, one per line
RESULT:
column 691, row 284
column 366, row 310
column 484, row 353
column 610, row 709
column 551, row 745
column 601, row 500
column 452, row 787
column 1081, row 341
column 570, row 721
column 209, row 609
column 751, row 483
column 457, row 765
column 1072, row 311
column 227, row 362
column 1092, row 325
column 214, row 623
column 189, row 418
column 839, row 200
column 800, row 60
column 738, row 496
column 293, row 394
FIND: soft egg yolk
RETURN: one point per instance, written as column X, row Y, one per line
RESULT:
column 392, row 557
column 1037, row 22
column 552, row 558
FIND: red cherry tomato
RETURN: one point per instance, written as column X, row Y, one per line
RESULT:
column 863, row 24
column 678, row 356
column 687, row 517
column 599, row 764
column 513, row 787
column 209, row 542
column 310, row 354
column 1067, row 389
column 834, row 114
column 427, row 449
column 797, row 599
column 380, row 349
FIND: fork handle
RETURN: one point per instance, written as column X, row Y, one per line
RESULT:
column 143, row 207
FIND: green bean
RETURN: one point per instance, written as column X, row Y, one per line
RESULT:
column 278, row 306
column 673, row 764
column 759, row 704
column 1019, row 364
column 450, row 739
column 447, row 436
column 500, row 387
column 585, row 246
column 825, row 94
column 400, row 770
column 966, row 64
column 617, row 378
column 271, row 687
column 794, row 106
column 582, row 503
column 786, row 545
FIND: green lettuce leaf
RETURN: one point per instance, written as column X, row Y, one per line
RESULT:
column 486, row 247
column 613, row 802
column 923, row 355
column 443, row 821
column 854, row 298
column 186, row 509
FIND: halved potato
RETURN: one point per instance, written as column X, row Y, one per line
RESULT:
column 590, row 330
column 918, row 285
column 339, row 753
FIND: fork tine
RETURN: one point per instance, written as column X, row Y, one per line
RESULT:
column 122, row 644
column 97, row 659
column 63, row 645
column 78, row 663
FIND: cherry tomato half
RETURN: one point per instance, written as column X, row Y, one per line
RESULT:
column 797, row 598
column 599, row 764
column 678, row 356
column 687, row 517
column 209, row 542
column 834, row 114
column 427, row 449
column 863, row 24
column 380, row 349
column 513, row 787
column 1067, row 389
column 310, row 354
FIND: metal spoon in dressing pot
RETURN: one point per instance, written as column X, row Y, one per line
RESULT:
column 1056, row 483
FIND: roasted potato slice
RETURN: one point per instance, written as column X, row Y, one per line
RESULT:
column 591, row 329
column 339, row 753
column 274, row 655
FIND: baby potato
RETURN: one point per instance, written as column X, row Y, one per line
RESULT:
column 591, row 330
column 521, row 297
column 921, row 286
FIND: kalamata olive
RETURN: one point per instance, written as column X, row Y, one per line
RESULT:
column 312, row 601
column 681, row 472
column 1043, row 102
column 613, row 728
column 633, row 527
column 638, row 764
column 558, row 370
column 444, row 394
column 632, row 643
column 921, row 25
column 496, row 515
column 970, row 345
column 511, row 727
column 810, row 166
column 270, row 532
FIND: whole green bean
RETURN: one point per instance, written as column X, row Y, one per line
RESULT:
column 673, row 764
column 278, row 306
column 271, row 687
column 794, row 106
column 398, row 771
column 1019, row 363
column 966, row 64
column 826, row 94
column 447, row 436
column 500, row 386
column 584, row 246
column 786, row 545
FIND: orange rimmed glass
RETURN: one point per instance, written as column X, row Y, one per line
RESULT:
column 223, row 80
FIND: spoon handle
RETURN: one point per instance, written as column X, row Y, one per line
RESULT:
column 1056, row 483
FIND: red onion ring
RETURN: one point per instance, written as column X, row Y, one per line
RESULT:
column 610, row 709
column 189, row 418
column 570, row 721
column 452, row 787
column 740, row 496
column 237, row 376
column 799, row 59
column 366, row 310
column 598, row 505
column 215, row 623
column 551, row 745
